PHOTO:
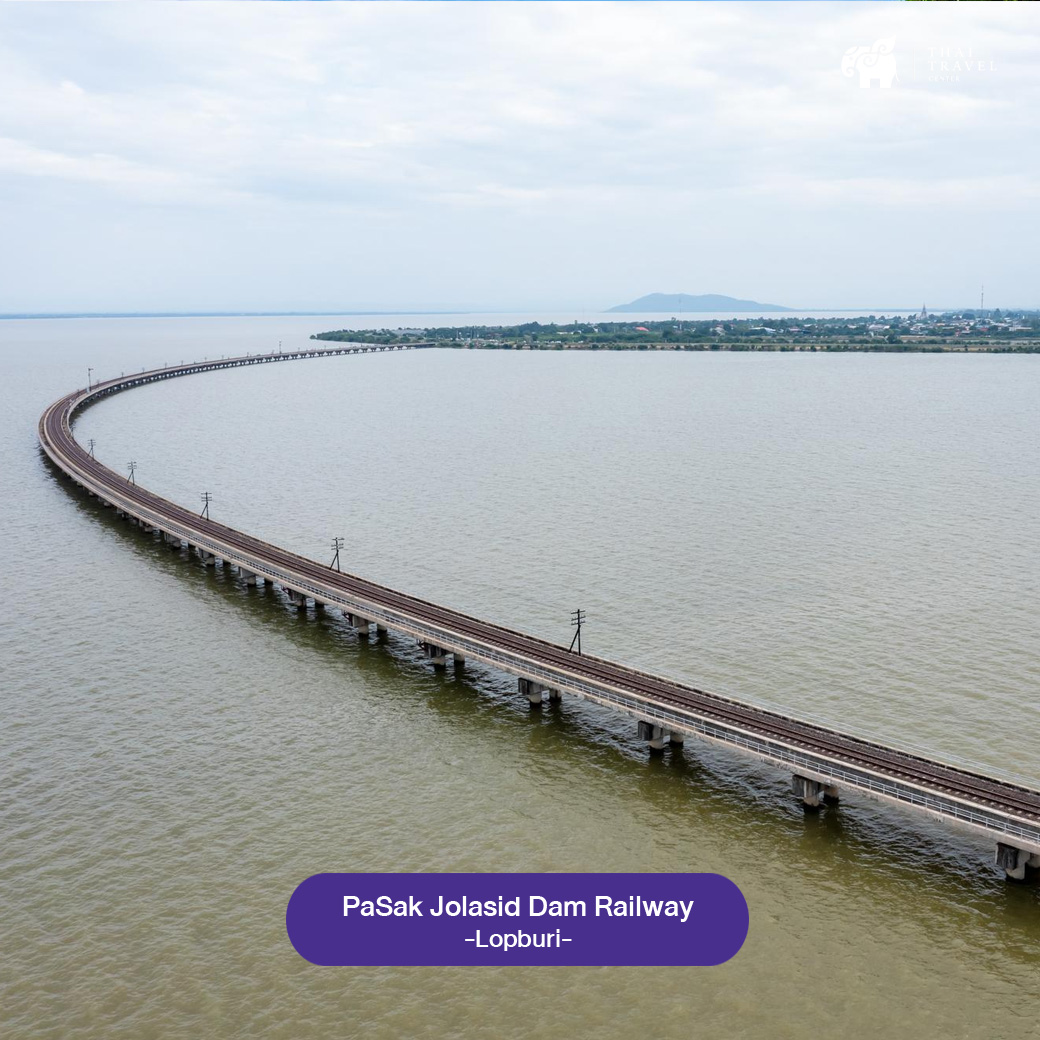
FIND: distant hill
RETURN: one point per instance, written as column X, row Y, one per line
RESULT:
column 673, row 303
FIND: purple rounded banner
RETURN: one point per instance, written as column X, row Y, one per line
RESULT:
column 521, row 919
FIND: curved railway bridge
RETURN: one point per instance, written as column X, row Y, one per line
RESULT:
column 820, row 760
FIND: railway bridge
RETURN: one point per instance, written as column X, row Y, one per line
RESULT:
column 821, row 761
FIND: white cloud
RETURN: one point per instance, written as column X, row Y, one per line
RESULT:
column 364, row 120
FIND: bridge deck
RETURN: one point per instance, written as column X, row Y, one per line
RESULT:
column 1004, row 811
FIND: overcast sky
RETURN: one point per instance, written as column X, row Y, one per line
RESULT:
column 269, row 156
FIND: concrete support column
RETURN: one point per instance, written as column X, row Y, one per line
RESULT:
column 1013, row 861
column 360, row 623
column 830, row 793
column 555, row 696
column 809, row 791
column 172, row 540
column 297, row 599
column 380, row 629
column 207, row 558
column 249, row 576
column 676, row 738
column 434, row 654
column 656, row 736
column 459, row 659
column 531, row 690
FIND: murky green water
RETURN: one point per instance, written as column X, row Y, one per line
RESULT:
column 853, row 537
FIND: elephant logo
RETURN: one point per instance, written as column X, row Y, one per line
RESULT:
column 872, row 63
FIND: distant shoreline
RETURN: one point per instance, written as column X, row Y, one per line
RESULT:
column 967, row 332
column 769, row 348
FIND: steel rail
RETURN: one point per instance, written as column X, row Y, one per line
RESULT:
column 981, row 802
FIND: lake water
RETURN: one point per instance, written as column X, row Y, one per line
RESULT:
column 851, row 537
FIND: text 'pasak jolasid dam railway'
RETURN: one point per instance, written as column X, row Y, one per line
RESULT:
column 820, row 759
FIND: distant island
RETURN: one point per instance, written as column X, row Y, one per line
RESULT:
column 684, row 303
column 993, row 331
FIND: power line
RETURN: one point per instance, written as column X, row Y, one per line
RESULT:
column 337, row 544
column 578, row 618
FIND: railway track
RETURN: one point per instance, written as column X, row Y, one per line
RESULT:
column 988, row 797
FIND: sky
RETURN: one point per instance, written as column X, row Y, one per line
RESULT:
column 175, row 156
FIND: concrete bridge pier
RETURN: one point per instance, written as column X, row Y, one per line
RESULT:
column 458, row 659
column 297, row 599
column 656, row 736
column 172, row 540
column 676, row 738
column 531, row 690
column 1013, row 861
column 555, row 696
column 249, row 576
column 437, row 656
column 380, row 629
column 207, row 557
column 813, row 792
column 360, row 623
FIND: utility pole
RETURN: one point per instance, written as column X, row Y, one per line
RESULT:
column 90, row 377
column 982, row 301
column 578, row 618
column 131, row 466
column 206, row 499
column 337, row 544
column 90, row 444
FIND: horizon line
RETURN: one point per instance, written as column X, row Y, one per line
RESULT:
column 38, row 315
